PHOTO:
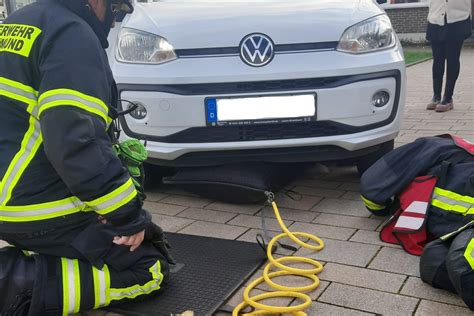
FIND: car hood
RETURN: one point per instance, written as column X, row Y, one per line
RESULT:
column 220, row 23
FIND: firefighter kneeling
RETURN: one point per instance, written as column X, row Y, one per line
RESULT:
column 428, row 188
column 69, row 207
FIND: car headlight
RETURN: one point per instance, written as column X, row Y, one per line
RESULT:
column 370, row 35
column 141, row 47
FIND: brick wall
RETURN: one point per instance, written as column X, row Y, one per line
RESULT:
column 408, row 20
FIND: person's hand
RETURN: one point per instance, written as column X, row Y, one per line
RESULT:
column 133, row 241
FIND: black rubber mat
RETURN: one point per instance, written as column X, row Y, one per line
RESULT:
column 208, row 272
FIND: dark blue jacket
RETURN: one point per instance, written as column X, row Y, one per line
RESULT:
column 452, row 203
column 57, row 102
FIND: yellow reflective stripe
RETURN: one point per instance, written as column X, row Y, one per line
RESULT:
column 115, row 199
column 107, row 285
column 65, row 276
column 449, row 201
column 97, row 287
column 18, row 85
column 469, row 253
column 448, row 207
column 452, row 201
column 137, row 290
column 53, row 104
column 42, row 211
column 64, row 97
column 29, row 146
column 155, row 271
column 77, row 286
column 67, row 206
column 18, row 91
column 71, row 286
column 18, row 38
column 101, row 286
column 372, row 205
column 31, row 140
column 454, row 195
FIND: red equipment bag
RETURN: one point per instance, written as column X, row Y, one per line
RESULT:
column 407, row 226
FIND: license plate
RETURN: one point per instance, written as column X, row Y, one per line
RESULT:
column 260, row 110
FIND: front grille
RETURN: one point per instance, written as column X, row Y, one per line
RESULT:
column 219, row 88
column 279, row 48
column 257, row 132
column 284, row 85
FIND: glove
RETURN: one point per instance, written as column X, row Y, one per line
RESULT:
column 156, row 236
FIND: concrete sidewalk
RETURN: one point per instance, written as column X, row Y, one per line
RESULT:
column 362, row 276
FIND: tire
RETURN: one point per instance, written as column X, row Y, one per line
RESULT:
column 365, row 162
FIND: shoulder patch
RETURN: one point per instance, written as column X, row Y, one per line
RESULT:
column 18, row 38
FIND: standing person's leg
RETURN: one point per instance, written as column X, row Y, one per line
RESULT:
column 453, row 54
column 439, row 62
column 454, row 67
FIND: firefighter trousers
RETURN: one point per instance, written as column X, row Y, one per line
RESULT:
column 449, row 264
column 79, row 268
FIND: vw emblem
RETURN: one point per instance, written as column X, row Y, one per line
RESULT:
column 257, row 50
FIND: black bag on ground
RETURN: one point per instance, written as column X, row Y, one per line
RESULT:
column 236, row 183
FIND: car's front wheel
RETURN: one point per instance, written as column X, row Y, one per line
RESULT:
column 364, row 163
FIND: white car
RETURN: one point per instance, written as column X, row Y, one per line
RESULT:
column 220, row 81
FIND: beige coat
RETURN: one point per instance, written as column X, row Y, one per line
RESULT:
column 456, row 10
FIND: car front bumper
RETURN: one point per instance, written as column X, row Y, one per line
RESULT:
column 347, row 125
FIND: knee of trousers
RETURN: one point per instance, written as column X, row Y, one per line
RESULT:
column 17, row 277
column 15, row 264
column 46, row 300
column 433, row 265
column 460, row 266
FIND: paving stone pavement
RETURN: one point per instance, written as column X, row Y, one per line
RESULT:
column 362, row 275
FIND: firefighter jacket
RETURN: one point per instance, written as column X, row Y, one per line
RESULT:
column 452, row 200
column 57, row 99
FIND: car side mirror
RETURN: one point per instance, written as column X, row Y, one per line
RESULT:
column 381, row 1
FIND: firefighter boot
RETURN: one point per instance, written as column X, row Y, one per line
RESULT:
column 17, row 275
column 460, row 265
column 433, row 265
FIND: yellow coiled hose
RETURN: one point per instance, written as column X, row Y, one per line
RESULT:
column 284, row 291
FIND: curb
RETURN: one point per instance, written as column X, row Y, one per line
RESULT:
column 419, row 61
